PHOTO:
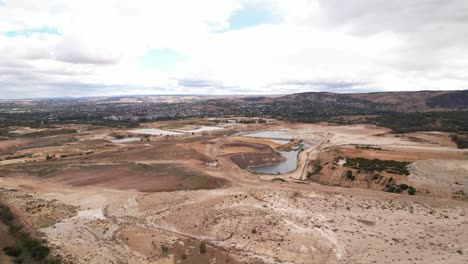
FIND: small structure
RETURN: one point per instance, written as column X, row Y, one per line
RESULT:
column 212, row 164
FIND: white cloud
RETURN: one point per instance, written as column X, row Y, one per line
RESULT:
column 319, row 45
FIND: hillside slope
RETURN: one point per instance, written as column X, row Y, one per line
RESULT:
column 422, row 101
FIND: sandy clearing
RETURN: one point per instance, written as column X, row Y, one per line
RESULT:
column 155, row 131
column 270, row 135
column 440, row 178
column 90, row 214
column 126, row 140
column 200, row 129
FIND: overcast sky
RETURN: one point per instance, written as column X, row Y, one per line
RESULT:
column 117, row 47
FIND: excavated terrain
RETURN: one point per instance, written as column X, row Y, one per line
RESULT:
column 164, row 198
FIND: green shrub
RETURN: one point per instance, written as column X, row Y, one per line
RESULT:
column 12, row 251
column 15, row 228
column 35, row 247
column 164, row 249
column 393, row 188
column 6, row 216
column 390, row 166
column 461, row 140
column 411, row 190
column 318, row 167
column 202, row 248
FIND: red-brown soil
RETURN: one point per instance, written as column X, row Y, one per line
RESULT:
column 259, row 155
column 145, row 178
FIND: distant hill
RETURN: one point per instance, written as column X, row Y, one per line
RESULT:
column 422, row 101
column 328, row 104
column 458, row 100
column 325, row 102
column 401, row 111
column 363, row 103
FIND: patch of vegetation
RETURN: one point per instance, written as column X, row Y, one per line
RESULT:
column 367, row 147
column 20, row 156
column 47, row 133
column 411, row 190
column 12, row 251
column 395, row 188
column 164, row 249
column 5, row 133
column 6, row 216
column 399, row 122
column 50, row 114
column 350, row 176
column 390, row 166
column 27, row 248
column 461, row 140
column 35, row 247
column 317, row 169
column 202, row 248
column 278, row 179
column 247, row 121
column 453, row 121
column 62, row 156
column 457, row 99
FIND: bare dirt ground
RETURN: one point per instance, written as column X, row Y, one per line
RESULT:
column 97, row 208
column 440, row 177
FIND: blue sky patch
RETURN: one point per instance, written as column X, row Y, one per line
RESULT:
column 161, row 59
column 252, row 15
column 30, row 31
